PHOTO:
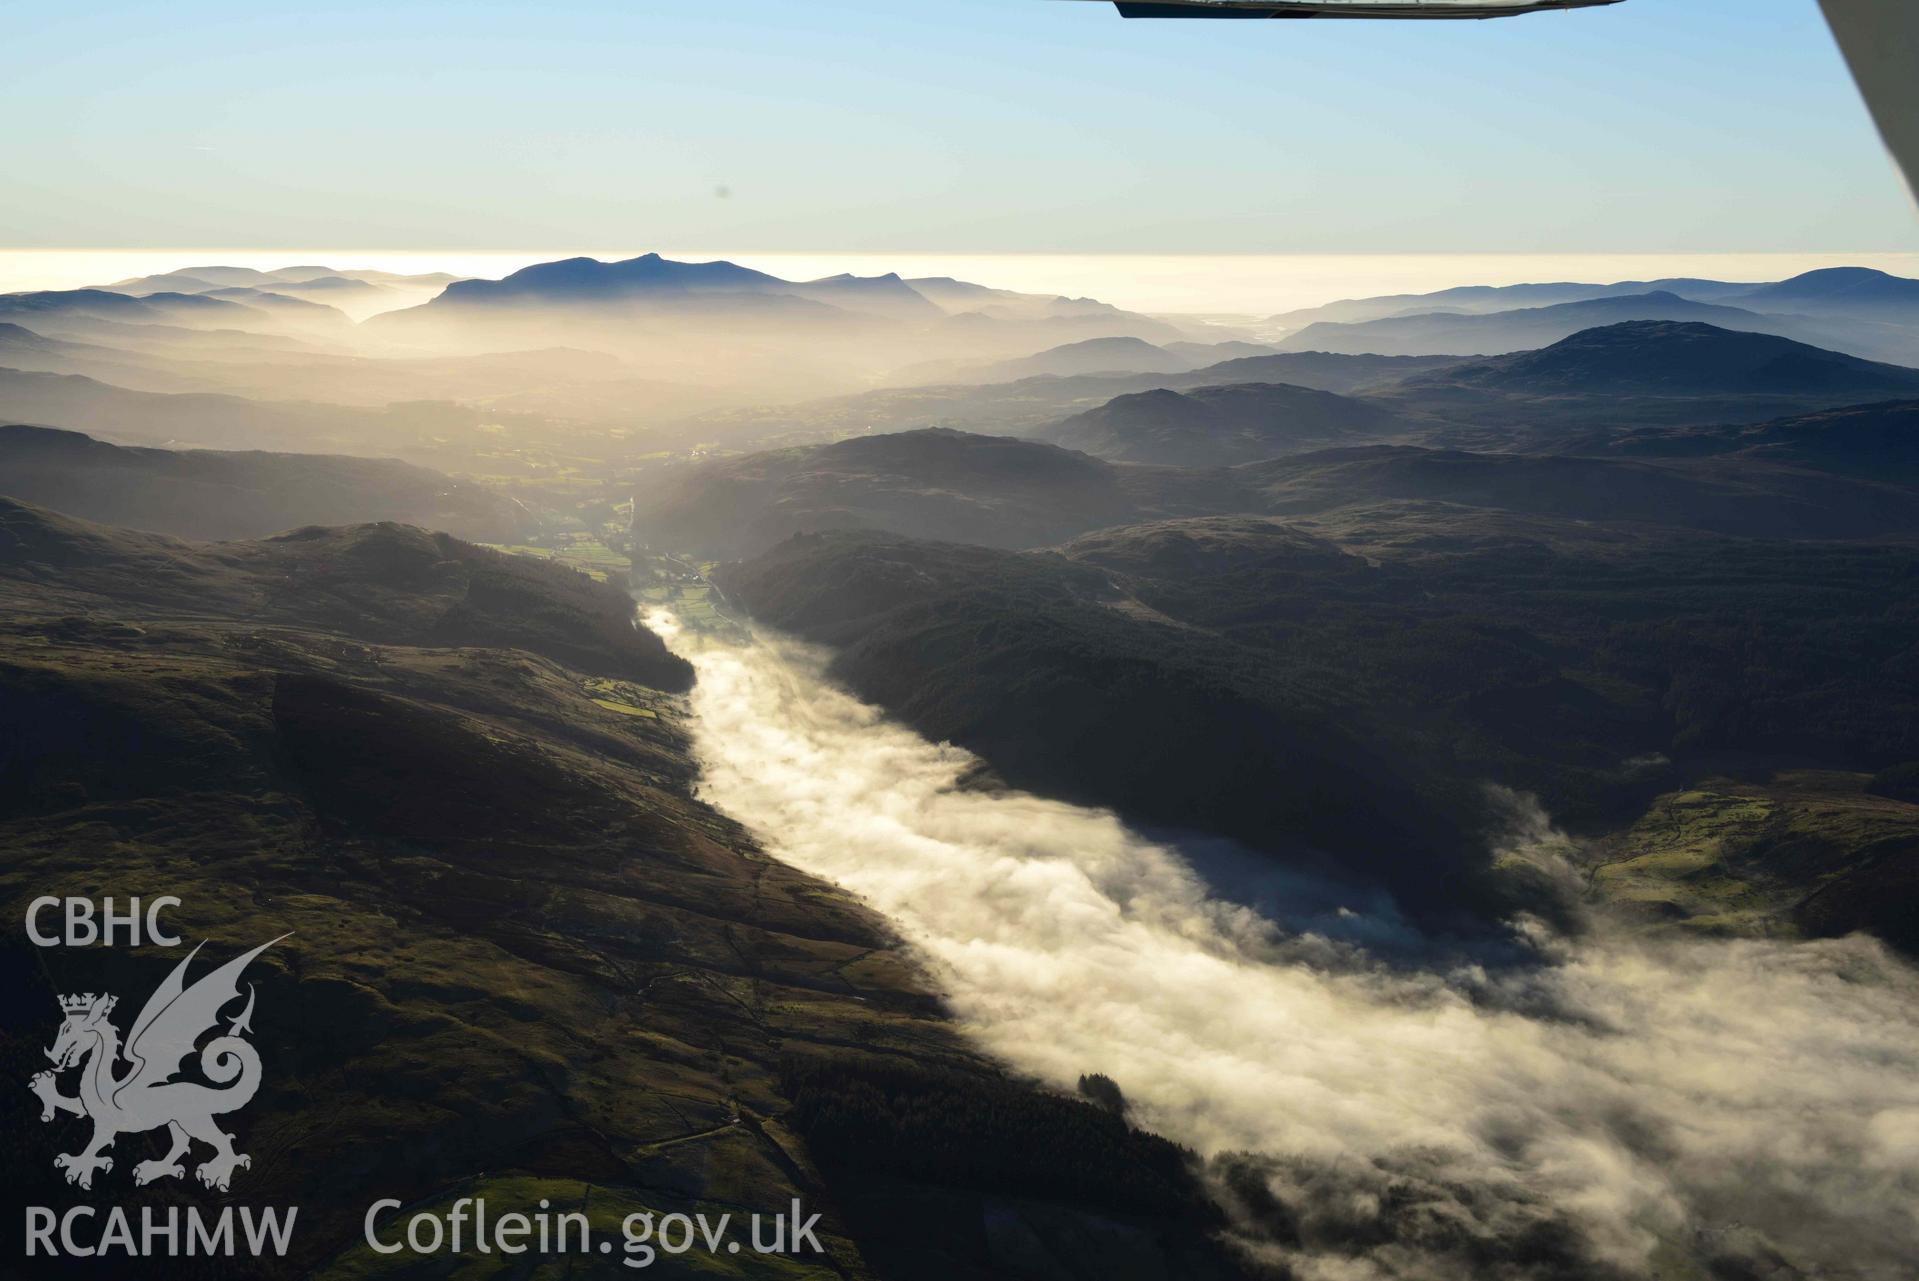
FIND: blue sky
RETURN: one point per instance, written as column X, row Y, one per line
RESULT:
column 959, row 125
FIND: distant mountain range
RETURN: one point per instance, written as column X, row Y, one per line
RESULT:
column 214, row 276
column 654, row 284
column 763, row 359
column 622, row 305
column 722, row 325
column 1866, row 313
column 192, row 310
column 651, row 279
column 1495, row 333
column 717, row 331
column 358, row 293
column 1847, row 290
column 224, row 315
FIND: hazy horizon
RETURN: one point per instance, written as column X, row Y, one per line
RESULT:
column 1252, row 284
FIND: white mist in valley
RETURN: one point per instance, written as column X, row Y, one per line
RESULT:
column 1625, row 1109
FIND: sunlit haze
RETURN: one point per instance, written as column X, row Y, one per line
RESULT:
column 1250, row 284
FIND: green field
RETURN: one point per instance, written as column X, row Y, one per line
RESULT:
column 624, row 697
column 583, row 552
column 1750, row 858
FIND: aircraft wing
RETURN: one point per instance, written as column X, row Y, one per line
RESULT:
column 1454, row 9
column 1881, row 42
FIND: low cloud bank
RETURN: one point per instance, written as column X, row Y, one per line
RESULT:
column 1621, row 1109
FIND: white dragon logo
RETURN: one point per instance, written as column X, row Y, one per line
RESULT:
column 147, row 1097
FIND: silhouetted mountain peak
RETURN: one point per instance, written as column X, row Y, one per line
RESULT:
column 1841, row 277
column 1863, row 287
column 1116, row 343
column 585, row 279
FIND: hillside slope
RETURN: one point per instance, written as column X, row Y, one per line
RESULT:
column 1055, row 674
column 991, row 490
column 212, row 495
column 525, row 963
column 1221, row 426
column 1352, row 683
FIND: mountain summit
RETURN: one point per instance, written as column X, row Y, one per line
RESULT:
column 1682, row 358
column 580, row 279
column 651, row 277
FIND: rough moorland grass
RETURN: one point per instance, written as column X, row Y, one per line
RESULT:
column 1743, row 857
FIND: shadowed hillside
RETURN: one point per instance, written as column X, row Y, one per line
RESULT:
column 1000, row 492
column 393, row 584
column 1221, row 426
column 1754, row 496
column 1276, row 682
column 1875, row 442
column 1069, row 685
column 102, row 409
column 209, row 495
column 994, row 491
